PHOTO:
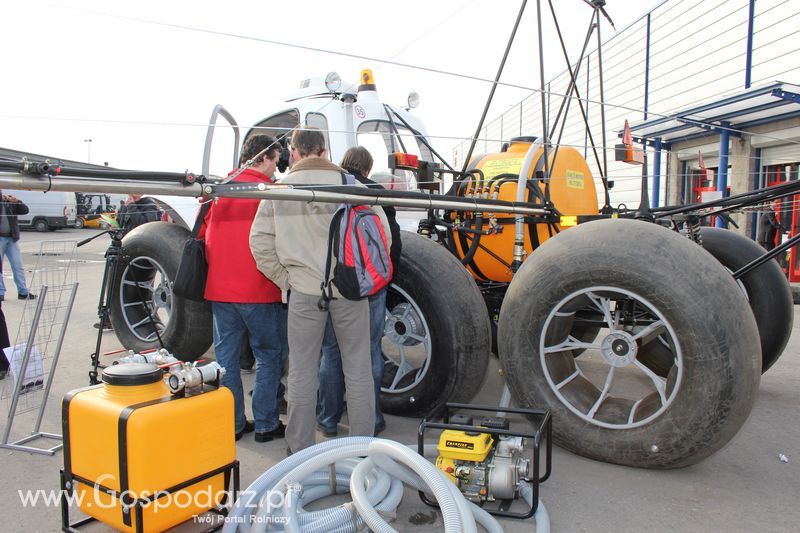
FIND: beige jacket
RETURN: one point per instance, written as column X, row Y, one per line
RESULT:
column 289, row 239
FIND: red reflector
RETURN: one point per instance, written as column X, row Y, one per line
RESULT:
column 402, row 160
column 58, row 170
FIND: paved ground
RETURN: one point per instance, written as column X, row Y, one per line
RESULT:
column 744, row 487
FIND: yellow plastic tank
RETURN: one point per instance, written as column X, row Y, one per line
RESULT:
column 572, row 191
column 131, row 436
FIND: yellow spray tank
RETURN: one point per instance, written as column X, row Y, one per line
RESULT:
column 572, row 192
column 130, row 440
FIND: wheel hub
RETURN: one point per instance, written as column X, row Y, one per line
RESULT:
column 619, row 349
column 402, row 322
column 161, row 295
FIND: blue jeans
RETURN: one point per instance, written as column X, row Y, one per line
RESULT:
column 261, row 323
column 11, row 249
column 331, row 377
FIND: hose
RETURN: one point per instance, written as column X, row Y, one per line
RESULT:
column 541, row 516
column 374, row 471
column 519, row 224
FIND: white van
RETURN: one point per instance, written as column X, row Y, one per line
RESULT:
column 47, row 211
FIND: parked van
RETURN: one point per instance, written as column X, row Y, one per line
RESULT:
column 48, row 211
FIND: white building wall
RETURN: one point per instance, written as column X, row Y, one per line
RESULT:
column 697, row 53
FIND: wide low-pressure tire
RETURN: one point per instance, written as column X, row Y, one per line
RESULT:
column 142, row 300
column 651, row 285
column 437, row 337
column 766, row 287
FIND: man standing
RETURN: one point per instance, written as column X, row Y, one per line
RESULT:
column 245, row 304
column 358, row 162
column 769, row 226
column 10, row 207
column 137, row 211
column 289, row 241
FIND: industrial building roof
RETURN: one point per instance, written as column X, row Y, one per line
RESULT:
column 737, row 112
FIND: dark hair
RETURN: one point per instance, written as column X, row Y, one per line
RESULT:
column 357, row 159
column 308, row 141
column 256, row 144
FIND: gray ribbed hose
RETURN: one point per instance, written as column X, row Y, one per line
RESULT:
column 375, row 484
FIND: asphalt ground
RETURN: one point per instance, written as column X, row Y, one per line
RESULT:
column 744, row 487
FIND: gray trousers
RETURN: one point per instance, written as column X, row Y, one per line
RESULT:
column 306, row 327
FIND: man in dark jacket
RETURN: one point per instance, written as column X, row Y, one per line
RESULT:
column 769, row 227
column 10, row 207
column 137, row 211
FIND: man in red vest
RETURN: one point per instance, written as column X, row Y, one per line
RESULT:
column 244, row 302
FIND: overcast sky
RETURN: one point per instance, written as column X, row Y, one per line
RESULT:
column 142, row 92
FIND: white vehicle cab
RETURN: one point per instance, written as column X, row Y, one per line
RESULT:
column 349, row 114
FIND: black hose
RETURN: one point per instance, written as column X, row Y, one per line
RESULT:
column 49, row 169
column 473, row 247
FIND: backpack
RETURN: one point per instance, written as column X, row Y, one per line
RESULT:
column 357, row 240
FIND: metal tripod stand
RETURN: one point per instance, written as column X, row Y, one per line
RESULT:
column 107, row 290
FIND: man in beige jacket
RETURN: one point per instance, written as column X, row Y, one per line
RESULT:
column 289, row 241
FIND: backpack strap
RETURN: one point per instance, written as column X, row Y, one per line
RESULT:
column 327, row 291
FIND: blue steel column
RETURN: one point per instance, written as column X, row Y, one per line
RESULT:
column 749, row 61
column 656, row 173
column 722, row 174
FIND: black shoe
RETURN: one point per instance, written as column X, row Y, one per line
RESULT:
column 327, row 432
column 3, row 374
column 379, row 428
column 266, row 436
column 29, row 296
column 249, row 427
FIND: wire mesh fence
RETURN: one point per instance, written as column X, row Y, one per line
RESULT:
column 33, row 354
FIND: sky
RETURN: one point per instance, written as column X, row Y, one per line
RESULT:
column 140, row 79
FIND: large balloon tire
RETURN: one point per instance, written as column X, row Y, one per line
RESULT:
column 767, row 288
column 187, row 333
column 715, row 335
column 431, row 285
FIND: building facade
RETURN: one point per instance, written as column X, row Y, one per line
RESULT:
column 681, row 57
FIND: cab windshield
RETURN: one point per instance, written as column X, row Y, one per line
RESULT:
column 382, row 138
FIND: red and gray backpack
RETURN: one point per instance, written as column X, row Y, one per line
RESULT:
column 358, row 243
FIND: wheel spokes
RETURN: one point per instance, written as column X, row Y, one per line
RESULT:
column 658, row 382
column 403, row 368
column 569, row 378
column 650, row 332
column 603, row 393
column 604, row 305
column 612, row 384
column 571, row 344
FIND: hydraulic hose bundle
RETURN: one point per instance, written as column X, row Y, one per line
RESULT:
column 374, row 471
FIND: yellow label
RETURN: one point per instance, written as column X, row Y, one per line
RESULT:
column 567, row 221
column 495, row 167
column 614, row 215
column 574, row 179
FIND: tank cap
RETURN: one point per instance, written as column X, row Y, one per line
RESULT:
column 132, row 374
column 524, row 139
